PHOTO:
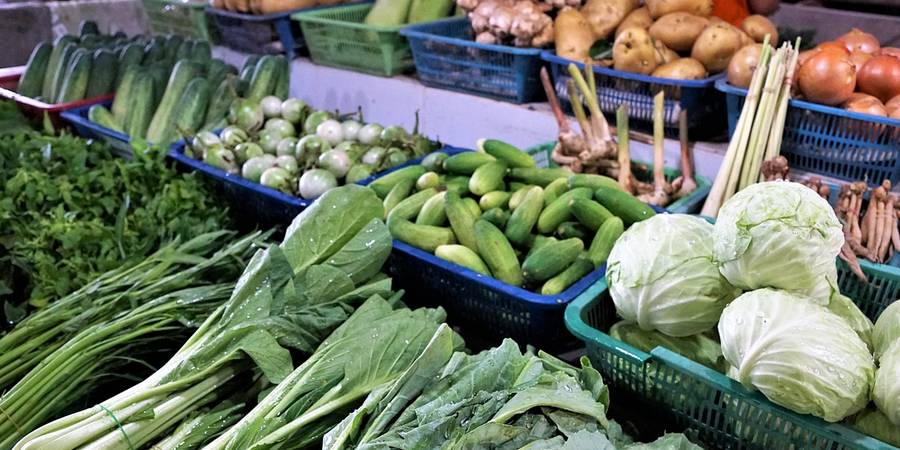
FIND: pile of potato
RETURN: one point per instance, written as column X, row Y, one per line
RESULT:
column 678, row 39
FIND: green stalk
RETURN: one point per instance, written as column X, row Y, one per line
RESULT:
column 773, row 147
column 762, row 121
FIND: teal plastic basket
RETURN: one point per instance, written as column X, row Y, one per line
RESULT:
column 724, row 413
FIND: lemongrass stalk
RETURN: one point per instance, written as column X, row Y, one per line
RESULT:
column 773, row 147
column 659, row 177
column 762, row 121
column 624, row 153
column 590, row 97
column 600, row 125
column 578, row 109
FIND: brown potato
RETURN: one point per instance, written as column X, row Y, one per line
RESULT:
column 757, row 27
column 743, row 64
column 681, row 69
column 715, row 46
column 605, row 15
column 678, row 30
column 659, row 8
column 638, row 18
column 573, row 35
column 663, row 54
column 633, row 51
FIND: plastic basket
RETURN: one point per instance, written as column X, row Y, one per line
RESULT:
column 704, row 104
column 338, row 37
column 186, row 18
column 830, row 141
column 723, row 412
column 447, row 57
column 78, row 118
column 35, row 109
column 691, row 204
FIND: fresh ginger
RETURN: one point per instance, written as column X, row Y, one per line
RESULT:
column 523, row 23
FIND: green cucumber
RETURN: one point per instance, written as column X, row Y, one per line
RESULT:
column 397, row 194
column 88, row 27
column 558, row 212
column 604, row 240
column 590, row 213
column 472, row 206
column 567, row 230
column 54, row 66
column 32, row 80
column 222, row 98
column 463, row 256
column 201, row 53
column 424, row 237
column 101, row 116
column 190, row 110
column 624, row 205
column 141, row 108
column 496, row 216
column 487, row 177
column 465, row 163
column 497, row 253
column 383, row 185
column 264, row 78
column 553, row 190
column 459, row 185
column 75, row 82
column 162, row 126
column 551, row 259
column 59, row 75
column 409, row 207
column 103, row 73
column 538, row 241
column 541, row 177
column 433, row 212
column 122, row 101
column 517, row 196
column 592, row 181
column 507, row 153
column 524, row 217
column 282, row 87
column 461, row 219
column 495, row 199
column 576, row 271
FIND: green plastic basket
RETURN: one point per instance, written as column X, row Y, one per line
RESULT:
column 691, row 204
column 338, row 37
column 724, row 413
column 176, row 17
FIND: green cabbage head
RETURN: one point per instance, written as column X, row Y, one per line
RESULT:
column 876, row 424
column 887, row 329
column 662, row 276
column 886, row 392
column 798, row 354
column 780, row 235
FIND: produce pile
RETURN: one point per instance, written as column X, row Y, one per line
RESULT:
column 852, row 72
column 395, row 13
column 495, row 213
column 197, row 96
column 790, row 334
column 270, row 6
column 288, row 146
column 668, row 39
column 70, row 210
column 522, row 23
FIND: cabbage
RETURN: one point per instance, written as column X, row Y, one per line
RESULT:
column 662, row 276
column 698, row 348
column 843, row 307
column 876, row 424
column 798, row 354
column 887, row 329
column 780, row 235
column 886, row 392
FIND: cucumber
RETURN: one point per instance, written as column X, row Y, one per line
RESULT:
column 141, row 107
column 130, row 56
column 201, row 53
column 434, row 162
column 54, row 66
column 567, row 230
column 433, row 212
column 590, row 213
column 173, row 43
column 88, row 27
column 539, row 241
column 59, row 75
column 511, row 155
column 576, row 271
column 516, row 185
column 604, row 240
column 497, row 253
column 487, row 177
column 217, row 71
column 222, row 98
column 517, row 196
column 623, row 205
column 160, row 77
column 496, row 216
column 495, row 199
column 190, row 110
column 398, row 193
column 184, row 50
column 472, row 206
column 264, row 78
column 592, row 181
column 246, row 74
column 553, row 190
column 551, row 259
column 463, row 256
column 540, row 177
column 524, row 217
column 162, row 126
column 459, row 185
column 409, row 207
column 153, row 52
column 424, row 237
column 465, row 163
column 122, row 102
column 283, row 81
column 103, row 73
column 558, row 212
column 428, row 180
column 383, row 185
column 461, row 220
column 75, row 82
column 101, row 116
column 32, row 80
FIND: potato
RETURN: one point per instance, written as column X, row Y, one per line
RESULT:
column 715, row 46
column 573, row 35
column 681, row 69
column 638, row 18
column 757, row 27
column 678, row 30
column 633, row 51
column 659, row 8
column 663, row 54
column 743, row 64
column 605, row 15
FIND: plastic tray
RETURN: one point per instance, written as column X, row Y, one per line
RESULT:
column 447, row 57
column 723, row 412
column 691, row 204
column 186, row 18
column 338, row 37
column 78, row 118
column 35, row 109
column 830, row 141
column 704, row 104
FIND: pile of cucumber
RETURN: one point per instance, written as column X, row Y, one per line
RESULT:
column 494, row 212
column 162, row 106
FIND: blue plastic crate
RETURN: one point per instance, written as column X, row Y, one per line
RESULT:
column 704, row 104
column 78, row 118
column 831, row 141
column 447, row 57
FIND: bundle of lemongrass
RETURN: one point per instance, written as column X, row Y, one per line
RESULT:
column 757, row 136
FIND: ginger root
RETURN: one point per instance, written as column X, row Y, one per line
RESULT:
column 523, row 23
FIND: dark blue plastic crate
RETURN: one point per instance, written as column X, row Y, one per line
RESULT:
column 78, row 118
column 705, row 105
column 831, row 141
column 447, row 57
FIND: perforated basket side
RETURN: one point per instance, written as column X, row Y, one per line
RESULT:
column 183, row 18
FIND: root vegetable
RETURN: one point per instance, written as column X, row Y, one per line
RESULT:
column 681, row 69
column 832, row 46
column 659, row 8
column 638, row 18
column 775, row 169
column 757, row 27
column 633, row 51
column 743, row 64
column 715, row 46
column 866, row 104
column 605, row 15
column 893, row 104
column 889, row 51
column 859, row 59
column 827, row 78
column 663, row 54
column 857, row 39
column 573, row 35
column 684, row 184
column 678, row 30
column 880, row 76
column 661, row 189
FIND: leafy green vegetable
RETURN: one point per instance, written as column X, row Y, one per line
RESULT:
column 203, row 427
column 887, row 329
column 886, row 391
column 876, row 424
column 698, row 348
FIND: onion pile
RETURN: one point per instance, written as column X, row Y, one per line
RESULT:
column 828, row 78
